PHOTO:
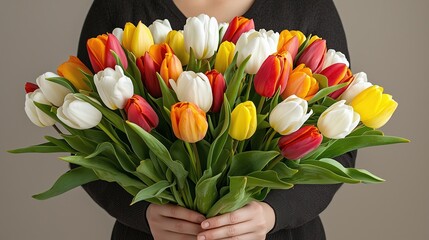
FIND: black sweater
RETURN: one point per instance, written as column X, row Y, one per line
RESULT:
column 297, row 210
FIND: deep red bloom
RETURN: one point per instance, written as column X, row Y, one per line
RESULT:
column 298, row 144
column 141, row 113
column 218, row 84
column 337, row 73
column 314, row 55
column 30, row 87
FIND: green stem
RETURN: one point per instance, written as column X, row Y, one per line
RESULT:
column 57, row 129
column 274, row 162
column 123, row 114
column 197, row 160
column 260, row 105
column 211, row 127
column 249, row 86
column 234, row 145
column 270, row 138
column 114, row 139
column 177, row 196
column 193, row 160
column 241, row 146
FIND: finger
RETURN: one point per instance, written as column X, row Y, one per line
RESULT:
column 181, row 226
column 228, row 231
column 234, row 217
column 181, row 213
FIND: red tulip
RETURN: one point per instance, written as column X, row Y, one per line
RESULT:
column 314, row 55
column 148, row 69
column 30, row 87
column 337, row 73
column 298, row 144
column 236, row 27
column 273, row 74
column 291, row 46
column 218, row 84
column 99, row 51
column 141, row 113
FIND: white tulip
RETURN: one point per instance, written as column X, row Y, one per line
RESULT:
column 222, row 30
column 37, row 116
column 359, row 83
column 78, row 114
column 289, row 115
column 202, row 35
column 53, row 92
column 114, row 87
column 160, row 29
column 332, row 57
column 193, row 87
column 257, row 44
column 118, row 32
column 338, row 120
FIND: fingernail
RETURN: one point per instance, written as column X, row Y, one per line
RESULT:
column 205, row 225
column 201, row 238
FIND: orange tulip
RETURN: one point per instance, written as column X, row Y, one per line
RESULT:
column 188, row 121
column 236, row 27
column 171, row 68
column 301, row 83
column 72, row 71
column 99, row 51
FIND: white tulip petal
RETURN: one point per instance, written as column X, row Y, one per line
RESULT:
column 53, row 92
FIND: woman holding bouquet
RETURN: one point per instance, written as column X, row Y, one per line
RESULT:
column 284, row 214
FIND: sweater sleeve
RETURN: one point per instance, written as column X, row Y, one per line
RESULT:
column 110, row 196
column 303, row 203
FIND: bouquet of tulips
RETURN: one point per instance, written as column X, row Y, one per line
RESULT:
column 210, row 117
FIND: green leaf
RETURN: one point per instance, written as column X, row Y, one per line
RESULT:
column 234, row 86
column 47, row 147
column 364, row 176
column 51, row 112
column 80, row 144
column 168, row 98
column 325, row 92
column 284, row 171
column 138, row 146
column 274, row 100
column 229, row 72
column 178, row 152
column 63, row 82
column 147, row 169
column 71, row 179
column 236, row 198
column 206, row 191
column 244, row 163
column 322, row 80
column 162, row 153
column 268, row 179
column 60, row 143
column 113, row 118
column 96, row 135
column 135, row 72
column 348, row 144
column 152, row 191
column 302, row 48
column 313, row 174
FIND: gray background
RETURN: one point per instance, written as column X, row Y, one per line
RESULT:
column 387, row 39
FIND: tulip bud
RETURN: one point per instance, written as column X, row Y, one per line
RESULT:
column 37, row 116
column 358, row 84
column 171, row 68
column 224, row 56
column 218, row 85
column 337, row 73
column 188, row 122
column 273, row 74
column 202, row 35
column 72, row 71
column 292, row 47
column 243, row 121
column 30, row 87
column 374, row 106
column 193, row 87
column 333, row 57
column 158, row 51
column 314, row 55
column 289, row 115
column 238, row 26
column 99, row 51
column 338, row 120
column 53, row 92
column 148, row 69
column 298, row 144
column 141, row 113
column 78, row 114
column 301, row 83
column 114, row 87
column 176, row 41
column 286, row 36
column 160, row 29
column 137, row 39
column 257, row 44
column 119, row 33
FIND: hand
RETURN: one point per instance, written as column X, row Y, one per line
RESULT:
column 173, row 222
column 252, row 222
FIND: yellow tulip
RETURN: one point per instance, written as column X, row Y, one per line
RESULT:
column 243, row 121
column 224, row 56
column 374, row 107
column 72, row 71
column 137, row 39
column 177, row 42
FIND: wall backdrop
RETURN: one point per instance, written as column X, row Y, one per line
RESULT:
column 387, row 39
